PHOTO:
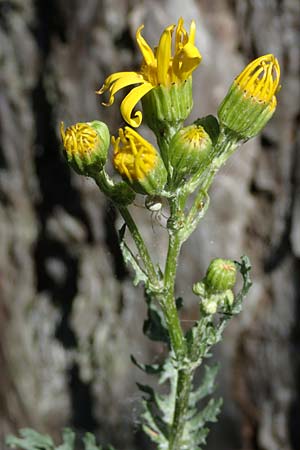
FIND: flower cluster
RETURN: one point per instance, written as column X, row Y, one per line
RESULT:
column 164, row 85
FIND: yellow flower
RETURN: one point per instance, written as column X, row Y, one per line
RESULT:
column 250, row 101
column 86, row 146
column 260, row 79
column 80, row 138
column 138, row 162
column 159, row 68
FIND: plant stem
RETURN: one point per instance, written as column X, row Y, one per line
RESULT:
column 168, row 303
column 184, row 384
column 140, row 244
column 178, row 342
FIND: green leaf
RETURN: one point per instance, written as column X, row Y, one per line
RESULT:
column 89, row 442
column 150, row 369
column 207, row 385
column 30, row 440
column 140, row 275
column 68, row 440
column 154, row 326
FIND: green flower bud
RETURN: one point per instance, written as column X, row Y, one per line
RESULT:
column 251, row 101
column 189, row 150
column 210, row 305
column 168, row 105
column 138, row 162
column 199, row 289
column 220, row 275
column 228, row 297
column 86, row 146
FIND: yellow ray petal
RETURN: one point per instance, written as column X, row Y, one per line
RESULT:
column 111, row 79
column 186, row 61
column 127, row 79
column 144, row 47
column 164, row 55
column 181, row 35
column 131, row 100
column 192, row 32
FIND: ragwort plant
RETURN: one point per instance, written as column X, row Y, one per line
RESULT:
column 179, row 172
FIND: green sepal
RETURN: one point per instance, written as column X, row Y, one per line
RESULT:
column 167, row 106
column 245, row 116
column 189, row 150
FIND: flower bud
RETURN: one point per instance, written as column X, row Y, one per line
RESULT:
column 189, row 150
column 168, row 105
column 210, row 304
column 250, row 101
column 86, row 146
column 220, row 275
column 138, row 162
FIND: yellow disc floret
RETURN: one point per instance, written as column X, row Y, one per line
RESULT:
column 79, row 138
column 134, row 157
column 85, row 146
column 138, row 161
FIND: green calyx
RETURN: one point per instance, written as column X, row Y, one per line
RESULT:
column 153, row 181
column 246, row 116
column 220, row 275
column 165, row 107
column 188, row 151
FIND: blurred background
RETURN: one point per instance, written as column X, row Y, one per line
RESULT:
column 69, row 315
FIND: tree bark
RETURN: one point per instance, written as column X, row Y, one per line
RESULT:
column 69, row 316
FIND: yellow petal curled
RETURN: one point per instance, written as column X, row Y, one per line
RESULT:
column 131, row 100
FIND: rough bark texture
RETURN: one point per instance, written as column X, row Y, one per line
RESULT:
column 69, row 316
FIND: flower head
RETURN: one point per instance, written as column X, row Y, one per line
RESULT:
column 260, row 80
column 159, row 68
column 85, row 146
column 189, row 149
column 138, row 162
column 251, row 101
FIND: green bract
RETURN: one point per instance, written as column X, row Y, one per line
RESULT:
column 189, row 150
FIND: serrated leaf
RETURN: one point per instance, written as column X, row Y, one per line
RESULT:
column 150, row 369
column 154, row 326
column 207, row 385
column 140, row 275
column 89, row 442
column 208, row 414
column 30, row 440
column 68, row 440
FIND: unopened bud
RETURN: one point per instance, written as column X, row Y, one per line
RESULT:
column 86, row 146
column 251, row 102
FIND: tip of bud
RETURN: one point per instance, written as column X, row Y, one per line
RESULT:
column 251, row 101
